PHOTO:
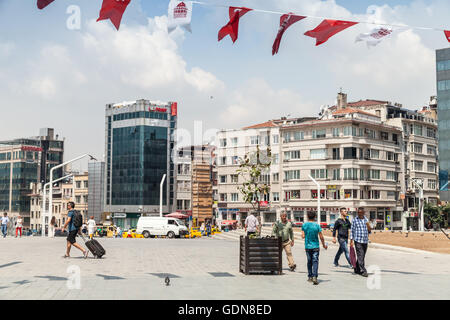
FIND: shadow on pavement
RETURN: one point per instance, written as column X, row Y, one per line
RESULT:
column 10, row 264
column 106, row 277
column 51, row 278
column 164, row 275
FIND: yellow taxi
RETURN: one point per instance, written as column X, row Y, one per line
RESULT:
column 132, row 234
column 194, row 232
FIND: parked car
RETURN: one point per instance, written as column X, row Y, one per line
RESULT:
column 131, row 233
column 297, row 224
column 161, row 226
column 58, row 233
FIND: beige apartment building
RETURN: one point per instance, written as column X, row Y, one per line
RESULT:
column 362, row 154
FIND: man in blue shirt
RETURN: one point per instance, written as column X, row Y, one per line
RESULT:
column 5, row 221
column 73, row 231
column 311, row 232
column 359, row 236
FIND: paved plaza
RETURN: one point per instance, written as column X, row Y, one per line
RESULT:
column 206, row 268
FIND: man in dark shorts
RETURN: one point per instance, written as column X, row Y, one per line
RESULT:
column 73, row 231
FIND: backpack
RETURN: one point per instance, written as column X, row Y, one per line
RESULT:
column 77, row 219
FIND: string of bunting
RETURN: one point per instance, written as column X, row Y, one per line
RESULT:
column 180, row 15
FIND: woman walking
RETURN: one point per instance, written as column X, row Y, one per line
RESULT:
column 51, row 227
column 19, row 225
column 91, row 227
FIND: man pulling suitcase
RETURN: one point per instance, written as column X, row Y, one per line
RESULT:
column 74, row 223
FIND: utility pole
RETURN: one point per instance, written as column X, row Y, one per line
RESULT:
column 318, row 199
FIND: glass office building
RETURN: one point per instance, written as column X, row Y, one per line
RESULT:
column 96, row 173
column 139, row 144
column 23, row 161
column 443, row 97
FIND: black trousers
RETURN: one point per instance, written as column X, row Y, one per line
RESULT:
column 361, row 249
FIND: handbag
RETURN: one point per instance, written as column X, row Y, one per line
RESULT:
column 353, row 256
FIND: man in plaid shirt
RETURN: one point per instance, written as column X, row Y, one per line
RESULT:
column 360, row 238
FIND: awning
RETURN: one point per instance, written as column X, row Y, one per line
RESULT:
column 177, row 215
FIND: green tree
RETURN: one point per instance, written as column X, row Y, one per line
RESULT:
column 433, row 213
column 251, row 168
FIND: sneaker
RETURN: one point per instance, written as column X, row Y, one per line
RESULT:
column 336, row 265
column 66, row 256
column 310, row 279
column 364, row 274
column 314, row 281
column 86, row 254
column 293, row 267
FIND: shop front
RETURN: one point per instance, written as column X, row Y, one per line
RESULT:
column 125, row 220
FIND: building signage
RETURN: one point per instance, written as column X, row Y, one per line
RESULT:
column 157, row 109
column 30, row 148
column 119, row 215
column 222, row 205
column 174, row 108
column 331, row 188
column 263, row 204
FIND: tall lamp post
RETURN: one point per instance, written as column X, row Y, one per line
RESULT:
column 421, row 205
column 44, row 200
column 52, row 181
column 161, row 194
column 318, row 199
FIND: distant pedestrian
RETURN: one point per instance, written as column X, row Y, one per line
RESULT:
column 74, row 223
column 342, row 226
column 360, row 238
column 19, row 226
column 208, row 229
column 5, row 221
column 251, row 224
column 283, row 229
column 119, row 232
column 51, row 227
column 202, row 228
column 311, row 232
column 91, row 227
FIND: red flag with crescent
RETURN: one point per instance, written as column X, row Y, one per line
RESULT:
column 113, row 10
column 286, row 21
column 232, row 27
column 41, row 4
column 327, row 29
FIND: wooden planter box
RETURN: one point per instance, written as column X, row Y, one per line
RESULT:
column 260, row 255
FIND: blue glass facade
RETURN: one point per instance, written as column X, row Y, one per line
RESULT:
column 443, row 96
column 139, row 162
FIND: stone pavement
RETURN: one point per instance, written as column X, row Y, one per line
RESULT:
column 206, row 268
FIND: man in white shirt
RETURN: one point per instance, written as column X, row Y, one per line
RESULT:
column 251, row 224
column 5, row 221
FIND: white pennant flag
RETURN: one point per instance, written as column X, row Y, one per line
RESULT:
column 375, row 36
column 180, row 14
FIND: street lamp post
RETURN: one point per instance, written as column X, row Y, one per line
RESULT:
column 51, row 177
column 44, row 200
column 161, row 194
column 318, row 199
column 421, row 205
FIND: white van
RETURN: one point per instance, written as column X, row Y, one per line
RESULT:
column 156, row 226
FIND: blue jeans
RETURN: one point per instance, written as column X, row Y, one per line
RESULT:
column 342, row 249
column 313, row 262
column 4, row 228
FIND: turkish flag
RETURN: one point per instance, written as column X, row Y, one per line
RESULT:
column 447, row 35
column 232, row 27
column 286, row 21
column 327, row 29
column 41, row 4
column 113, row 10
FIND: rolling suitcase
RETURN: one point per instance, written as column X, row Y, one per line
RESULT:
column 94, row 247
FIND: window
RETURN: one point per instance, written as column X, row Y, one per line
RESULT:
column 375, row 194
column 336, row 154
column 349, row 153
column 370, row 133
column 234, row 160
column 234, row 197
column 443, row 65
column 384, row 135
column 275, row 177
column 78, row 183
column 223, row 179
column 374, row 154
column 443, row 85
column 275, row 139
column 293, row 136
column 417, row 130
column 432, row 184
column 336, row 174
column 418, row 165
column 295, row 154
column 275, row 158
column 319, row 173
column 391, row 175
column 374, row 174
column 291, row 175
column 77, row 199
column 350, row 131
column 295, row 194
column 431, row 133
column 416, row 147
column 276, row 196
column 223, row 142
column 389, row 156
column 431, row 150
column 431, row 167
column 254, row 140
column 86, row 184
column 318, row 154
column 314, row 194
column 266, row 140
column 335, row 132
column 234, row 178
column 223, row 161
column 361, row 174
column 350, row 174
column 234, row 142
column 319, row 134
column 223, row 197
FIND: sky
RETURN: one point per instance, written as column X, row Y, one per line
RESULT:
column 52, row 76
